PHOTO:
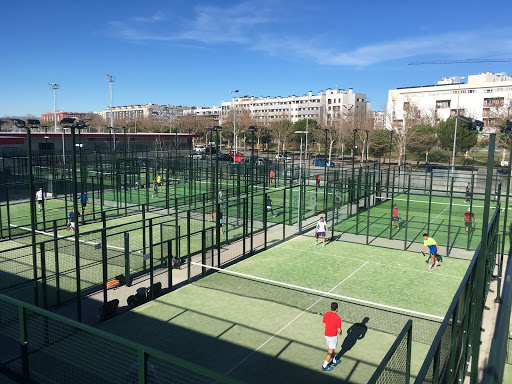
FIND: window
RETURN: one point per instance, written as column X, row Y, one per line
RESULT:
column 486, row 112
column 471, row 91
column 329, row 101
column 442, row 104
column 495, row 101
column 406, row 106
column 453, row 112
column 487, row 90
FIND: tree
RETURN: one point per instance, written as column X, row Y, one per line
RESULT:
column 314, row 129
column 465, row 138
column 282, row 131
column 380, row 142
column 421, row 139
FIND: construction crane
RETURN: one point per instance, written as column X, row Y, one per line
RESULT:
column 465, row 61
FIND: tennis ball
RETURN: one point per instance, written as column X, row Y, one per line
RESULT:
column 399, row 265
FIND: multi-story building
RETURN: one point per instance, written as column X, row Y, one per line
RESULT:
column 486, row 97
column 322, row 106
column 45, row 117
column 378, row 119
column 213, row 112
column 131, row 112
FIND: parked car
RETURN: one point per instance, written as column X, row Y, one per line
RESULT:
column 257, row 159
column 200, row 148
column 237, row 156
column 320, row 162
column 280, row 157
column 222, row 157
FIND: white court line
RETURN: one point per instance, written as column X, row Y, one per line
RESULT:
column 439, row 214
column 287, row 325
column 373, row 262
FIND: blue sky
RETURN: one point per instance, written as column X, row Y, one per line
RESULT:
column 196, row 52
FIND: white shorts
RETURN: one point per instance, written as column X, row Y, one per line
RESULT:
column 332, row 341
column 72, row 224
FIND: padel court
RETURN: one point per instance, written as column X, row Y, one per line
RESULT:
column 261, row 319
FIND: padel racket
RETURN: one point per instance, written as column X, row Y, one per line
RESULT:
column 429, row 257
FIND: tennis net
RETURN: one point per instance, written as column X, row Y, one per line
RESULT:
column 90, row 248
column 380, row 317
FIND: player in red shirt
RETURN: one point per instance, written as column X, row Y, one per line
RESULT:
column 332, row 324
column 469, row 220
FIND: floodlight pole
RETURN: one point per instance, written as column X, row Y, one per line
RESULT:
column 325, row 173
column 110, row 80
column 56, row 86
column 455, row 134
column 234, row 124
column 306, row 157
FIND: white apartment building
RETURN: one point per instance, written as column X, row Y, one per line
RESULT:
column 483, row 97
column 131, row 112
column 213, row 112
column 322, row 106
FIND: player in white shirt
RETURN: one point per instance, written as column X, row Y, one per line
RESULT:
column 40, row 198
column 321, row 229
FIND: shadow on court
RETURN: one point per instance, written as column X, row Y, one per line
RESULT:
column 227, row 347
column 356, row 332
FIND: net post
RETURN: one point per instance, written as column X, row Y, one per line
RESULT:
column 333, row 204
column 8, row 212
column 204, row 210
column 104, row 262
column 147, row 188
column 284, row 212
column 25, row 367
column 203, row 253
column 56, row 254
column 167, row 205
column 151, row 259
column 227, row 220
column 102, row 186
column 244, row 228
column 169, row 264
column 450, row 218
column 265, row 216
column 127, row 258
column 392, row 203
column 188, row 234
column 407, row 211
column 368, row 178
column 237, row 194
column 44, row 287
column 93, row 201
column 144, row 231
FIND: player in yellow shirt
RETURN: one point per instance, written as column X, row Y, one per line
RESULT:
column 432, row 248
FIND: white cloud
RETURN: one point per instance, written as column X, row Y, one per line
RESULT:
column 242, row 24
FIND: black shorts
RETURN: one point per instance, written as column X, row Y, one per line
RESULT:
column 158, row 184
column 84, row 205
column 468, row 225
